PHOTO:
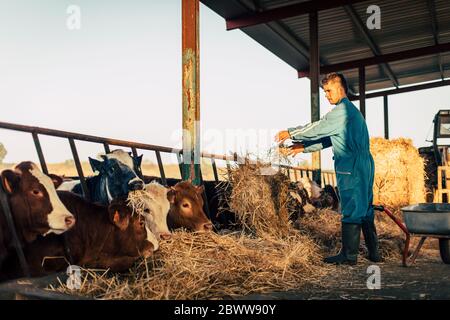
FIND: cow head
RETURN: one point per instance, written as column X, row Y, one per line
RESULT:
column 34, row 203
column 186, row 209
column 313, row 189
column 131, row 234
column 157, row 209
column 120, row 173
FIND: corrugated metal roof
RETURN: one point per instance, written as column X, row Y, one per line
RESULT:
column 405, row 25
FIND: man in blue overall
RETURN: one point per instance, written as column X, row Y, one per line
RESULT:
column 344, row 129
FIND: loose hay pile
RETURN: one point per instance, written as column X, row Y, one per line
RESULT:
column 269, row 254
column 208, row 265
column 260, row 199
column 399, row 172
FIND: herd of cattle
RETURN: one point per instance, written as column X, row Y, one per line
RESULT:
column 57, row 226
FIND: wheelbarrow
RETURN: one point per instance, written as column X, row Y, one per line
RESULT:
column 424, row 220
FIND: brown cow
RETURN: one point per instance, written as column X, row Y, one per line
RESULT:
column 34, row 205
column 107, row 237
column 186, row 208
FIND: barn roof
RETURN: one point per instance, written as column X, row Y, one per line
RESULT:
column 412, row 46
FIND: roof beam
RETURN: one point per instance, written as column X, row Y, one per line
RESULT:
column 284, row 12
column 369, row 40
column 435, row 30
column 435, row 84
column 279, row 28
column 396, row 56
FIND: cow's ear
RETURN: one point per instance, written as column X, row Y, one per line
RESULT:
column 138, row 161
column 171, row 195
column 118, row 217
column 10, row 181
column 57, row 180
column 96, row 165
column 199, row 189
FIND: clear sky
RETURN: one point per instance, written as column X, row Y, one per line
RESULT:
column 119, row 76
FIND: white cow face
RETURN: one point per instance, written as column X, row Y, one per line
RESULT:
column 153, row 205
column 311, row 187
column 157, row 208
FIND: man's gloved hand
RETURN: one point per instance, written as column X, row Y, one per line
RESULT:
column 295, row 149
column 291, row 150
column 282, row 136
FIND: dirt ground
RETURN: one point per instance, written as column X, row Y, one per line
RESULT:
column 428, row 278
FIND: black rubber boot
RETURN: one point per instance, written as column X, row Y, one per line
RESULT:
column 371, row 240
column 351, row 234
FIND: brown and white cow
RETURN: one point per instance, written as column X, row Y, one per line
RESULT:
column 186, row 208
column 153, row 205
column 107, row 237
column 34, row 205
column 326, row 197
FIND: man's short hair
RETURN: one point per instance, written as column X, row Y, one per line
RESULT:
column 335, row 77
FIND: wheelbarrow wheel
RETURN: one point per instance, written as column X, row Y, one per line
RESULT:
column 444, row 248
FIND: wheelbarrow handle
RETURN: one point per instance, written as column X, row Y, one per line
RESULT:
column 378, row 207
column 402, row 226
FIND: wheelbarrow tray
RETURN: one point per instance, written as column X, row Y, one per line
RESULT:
column 428, row 218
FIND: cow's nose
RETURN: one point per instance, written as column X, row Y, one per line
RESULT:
column 70, row 222
column 136, row 185
column 207, row 226
column 165, row 235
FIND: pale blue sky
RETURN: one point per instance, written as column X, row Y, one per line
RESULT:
column 120, row 77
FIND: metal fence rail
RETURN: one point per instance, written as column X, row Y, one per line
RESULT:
column 328, row 177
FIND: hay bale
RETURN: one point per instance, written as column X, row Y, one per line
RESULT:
column 211, row 266
column 260, row 200
column 399, row 172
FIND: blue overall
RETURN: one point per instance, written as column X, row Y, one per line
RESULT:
column 345, row 129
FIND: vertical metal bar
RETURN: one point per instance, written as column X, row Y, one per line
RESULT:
column 296, row 175
column 161, row 167
column 214, row 167
column 204, row 196
column 134, row 151
column 191, row 90
column 386, row 116
column 180, row 164
column 37, row 144
column 314, row 74
column 79, row 168
column 12, row 229
column 228, row 169
column 362, row 91
column 106, row 147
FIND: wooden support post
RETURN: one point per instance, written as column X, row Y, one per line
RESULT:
column 362, row 91
column 386, row 116
column 314, row 71
column 191, row 91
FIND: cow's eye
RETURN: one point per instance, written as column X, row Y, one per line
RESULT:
column 185, row 205
column 147, row 210
column 36, row 192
